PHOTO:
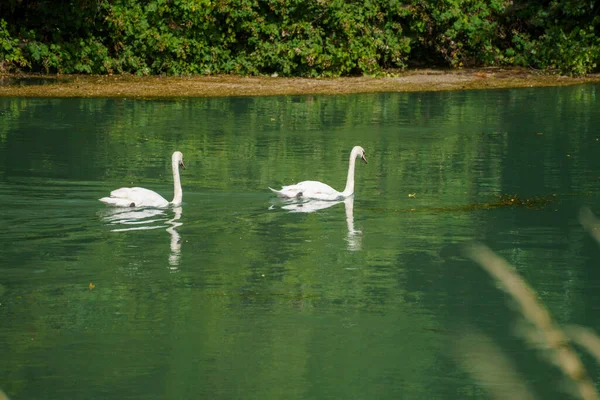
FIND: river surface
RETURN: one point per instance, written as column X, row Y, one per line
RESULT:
column 238, row 295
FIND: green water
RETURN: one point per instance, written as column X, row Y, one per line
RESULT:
column 232, row 296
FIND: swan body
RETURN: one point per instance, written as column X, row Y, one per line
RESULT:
column 141, row 197
column 321, row 191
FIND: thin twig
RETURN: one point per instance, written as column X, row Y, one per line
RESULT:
column 586, row 338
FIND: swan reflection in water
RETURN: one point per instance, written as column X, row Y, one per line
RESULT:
column 175, row 238
column 353, row 237
column 136, row 219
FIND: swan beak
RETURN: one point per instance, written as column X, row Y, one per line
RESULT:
column 364, row 159
column 181, row 165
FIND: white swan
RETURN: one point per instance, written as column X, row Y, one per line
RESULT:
column 321, row 191
column 140, row 197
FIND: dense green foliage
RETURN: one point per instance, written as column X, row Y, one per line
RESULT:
column 295, row 38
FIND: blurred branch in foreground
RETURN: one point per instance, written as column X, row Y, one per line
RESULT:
column 545, row 330
column 492, row 369
column 590, row 223
column 586, row 338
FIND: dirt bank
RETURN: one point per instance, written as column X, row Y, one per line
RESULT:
column 205, row 86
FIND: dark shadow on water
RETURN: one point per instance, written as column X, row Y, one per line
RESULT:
column 31, row 81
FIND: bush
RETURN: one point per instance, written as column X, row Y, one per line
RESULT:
column 11, row 55
column 294, row 37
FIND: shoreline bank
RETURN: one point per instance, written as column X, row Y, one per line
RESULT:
column 168, row 87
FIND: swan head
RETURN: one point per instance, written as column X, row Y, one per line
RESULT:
column 178, row 158
column 359, row 152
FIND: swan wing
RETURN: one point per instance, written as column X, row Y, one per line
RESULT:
column 135, row 197
column 310, row 190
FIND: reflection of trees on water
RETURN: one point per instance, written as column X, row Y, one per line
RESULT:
column 353, row 237
column 147, row 219
column 404, row 287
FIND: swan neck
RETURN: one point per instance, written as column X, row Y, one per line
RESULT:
column 177, row 193
column 349, row 190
